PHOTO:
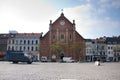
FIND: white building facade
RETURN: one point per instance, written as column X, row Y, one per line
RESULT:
column 89, row 50
column 103, row 49
column 113, row 48
column 26, row 42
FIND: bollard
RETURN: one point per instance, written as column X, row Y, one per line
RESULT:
column 97, row 63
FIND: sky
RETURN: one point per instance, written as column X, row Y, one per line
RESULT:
column 93, row 18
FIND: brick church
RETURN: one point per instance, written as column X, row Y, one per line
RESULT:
column 62, row 40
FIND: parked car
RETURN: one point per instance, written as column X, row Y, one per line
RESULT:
column 68, row 59
column 16, row 57
column 107, row 60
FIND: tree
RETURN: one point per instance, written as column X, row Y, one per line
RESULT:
column 77, row 48
column 57, row 48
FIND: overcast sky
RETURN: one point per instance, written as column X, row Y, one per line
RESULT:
column 94, row 18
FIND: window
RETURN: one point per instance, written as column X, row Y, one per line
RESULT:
column 9, row 41
column 32, row 48
column 108, row 47
column 16, row 41
column 24, row 48
column 28, row 42
column 8, row 47
column 117, row 54
column 109, row 42
column 20, row 41
column 53, row 37
column 36, row 41
column 70, row 37
column 20, row 48
column 13, row 41
column 28, row 48
column 102, row 47
column 24, row 41
column 12, row 48
column 16, row 47
column 109, row 52
column 32, row 42
column 62, row 36
column 103, row 53
column 36, row 48
column 111, row 47
column 114, row 42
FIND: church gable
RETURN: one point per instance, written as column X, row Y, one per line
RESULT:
column 62, row 30
column 62, row 22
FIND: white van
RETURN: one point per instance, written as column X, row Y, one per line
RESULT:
column 68, row 59
column 43, row 59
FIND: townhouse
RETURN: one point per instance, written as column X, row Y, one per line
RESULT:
column 3, row 45
column 113, row 48
column 103, row 49
column 25, row 42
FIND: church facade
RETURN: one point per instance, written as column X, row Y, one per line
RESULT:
column 62, row 40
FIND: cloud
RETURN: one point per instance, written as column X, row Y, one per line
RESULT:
column 91, row 18
column 88, row 25
column 33, row 14
column 103, row 1
column 116, row 3
column 109, row 3
column 78, row 12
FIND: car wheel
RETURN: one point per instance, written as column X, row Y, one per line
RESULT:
column 29, row 62
column 15, row 62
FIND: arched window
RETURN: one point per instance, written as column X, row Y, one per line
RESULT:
column 70, row 37
column 62, row 37
column 53, row 37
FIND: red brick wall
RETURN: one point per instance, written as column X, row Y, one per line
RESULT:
column 57, row 29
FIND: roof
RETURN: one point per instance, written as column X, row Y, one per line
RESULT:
column 29, row 35
column 88, row 40
column 63, row 18
column 112, row 40
column 79, row 34
column 4, row 35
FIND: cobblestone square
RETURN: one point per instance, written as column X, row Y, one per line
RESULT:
column 59, row 71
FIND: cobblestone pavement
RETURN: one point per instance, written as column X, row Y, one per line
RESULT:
column 59, row 71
